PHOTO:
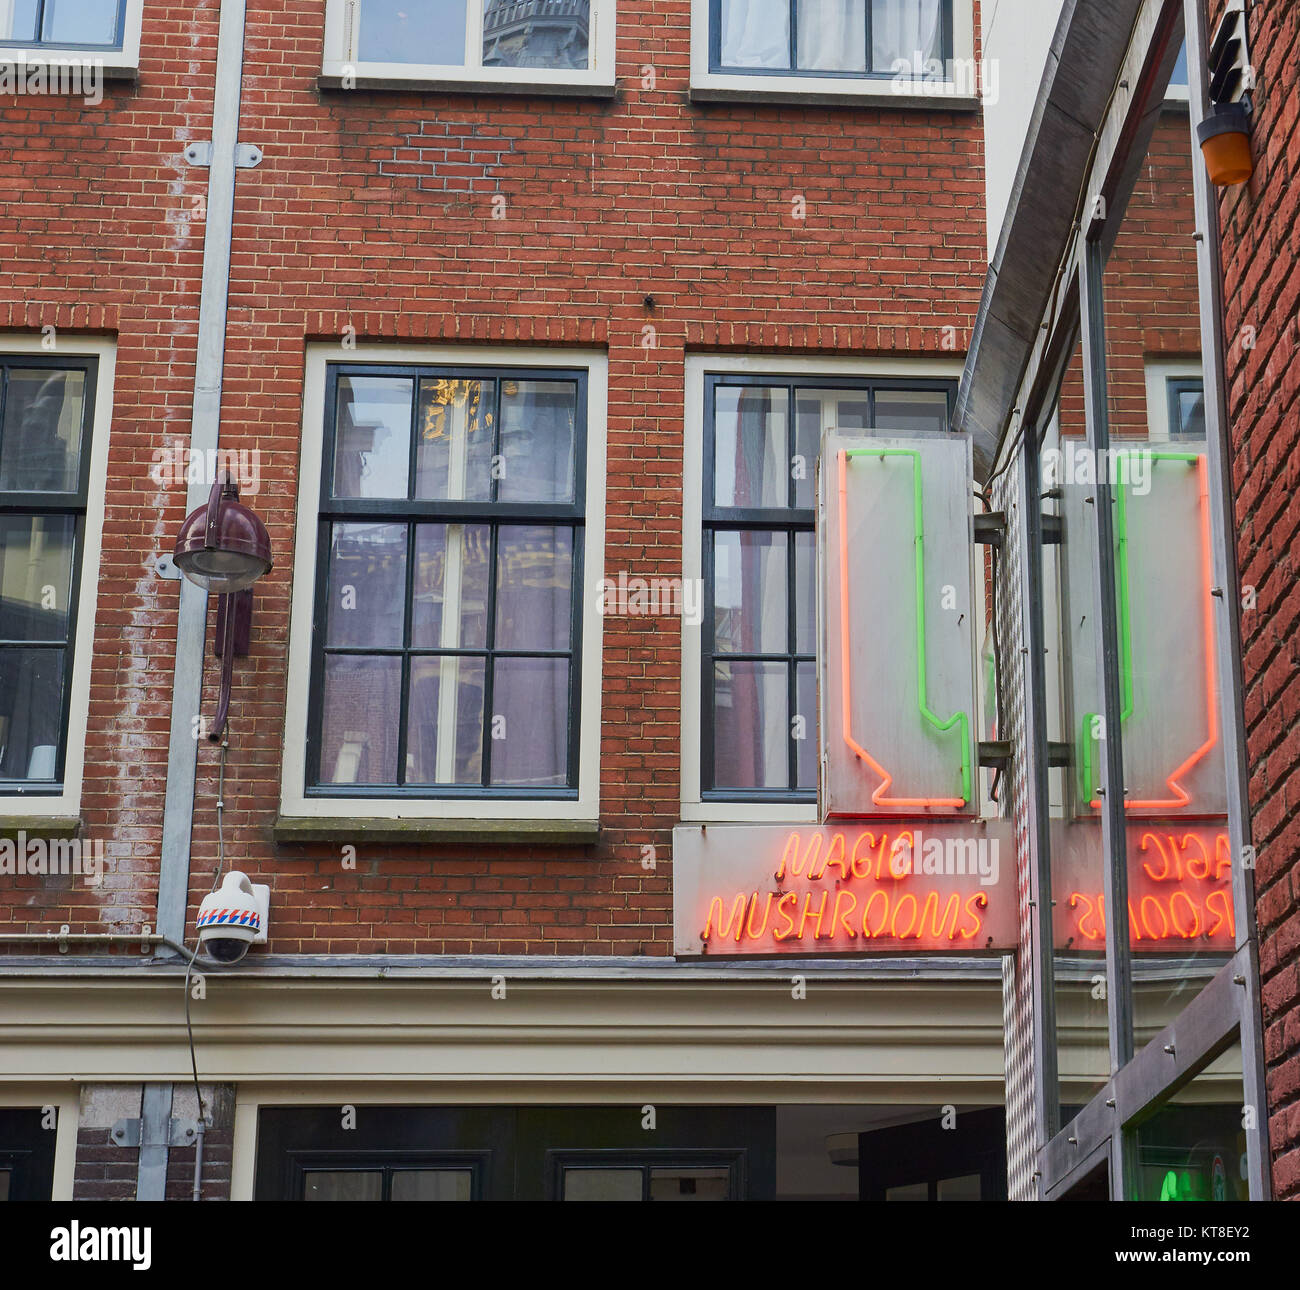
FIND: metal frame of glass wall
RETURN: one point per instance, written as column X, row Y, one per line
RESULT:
column 1227, row 1009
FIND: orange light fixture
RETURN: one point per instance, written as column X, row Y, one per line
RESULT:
column 1224, row 137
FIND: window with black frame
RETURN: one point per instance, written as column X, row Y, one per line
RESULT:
column 1186, row 407
column 67, row 24
column 446, row 644
column 847, row 38
column 759, row 675
column 46, row 410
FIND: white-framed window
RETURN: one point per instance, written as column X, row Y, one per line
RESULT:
column 830, row 49
column 71, row 35
column 55, row 413
column 445, row 652
column 1175, row 391
column 753, row 432
column 525, row 45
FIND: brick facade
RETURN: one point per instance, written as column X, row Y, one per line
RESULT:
column 1261, row 228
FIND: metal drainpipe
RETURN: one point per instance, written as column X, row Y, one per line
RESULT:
column 205, row 424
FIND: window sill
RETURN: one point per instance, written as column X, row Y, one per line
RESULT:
column 40, row 826
column 112, row 64
column 336, row 80
column 295, row 829
column 744, row 89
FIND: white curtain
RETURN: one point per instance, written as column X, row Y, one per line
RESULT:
column 902, row 28
column 755, row 33
column 833, row 35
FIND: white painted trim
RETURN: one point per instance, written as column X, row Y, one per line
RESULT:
column 293, row 799
column 739, row 83
column 126, row 59
column 340, row 61
column 1158, row 376
column 67, row 1103
column 693, row 809
column 68, row 803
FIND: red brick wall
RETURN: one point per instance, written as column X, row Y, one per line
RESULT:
column 374, row 209
column 1261, row 223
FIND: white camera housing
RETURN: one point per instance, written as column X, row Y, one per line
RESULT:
column 234, row 917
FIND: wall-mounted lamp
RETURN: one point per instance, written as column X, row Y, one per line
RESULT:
column 1224, row 137
column 224, row 547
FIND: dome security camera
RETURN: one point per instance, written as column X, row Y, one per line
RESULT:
column 233, row 917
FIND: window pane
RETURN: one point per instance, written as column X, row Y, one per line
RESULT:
column 756, row 33
column 454, row 454
column 909, row 1191
column 342, row 1184
column 451, row 586
column 31, row 712
column 433, row 1184
column 751, row 741
column 372, row 436
column 444, row 738
column 80, row 22
column 966, row 1187
column 412, row 31
column 750, row 446
column 1189, row 422
column 806, row 746
column 911, row 411
column 534, row 587
column 805, row 591
column 535, row 33
column 904, row 28
column 367, row 585
column 833, row 35
column 817, row 411
column 530, row 722
column 362, row 698
column 35, row 576
column 40, row 444
column 749, row 593
column 602, row 1184
column 4, row 1184
column 689, row 1184
column 19, row 23
column 538, row 431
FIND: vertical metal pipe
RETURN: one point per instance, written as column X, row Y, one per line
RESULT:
column 187, row 681
column 155, row 1140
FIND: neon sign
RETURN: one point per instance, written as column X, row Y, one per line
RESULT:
column 760, row 890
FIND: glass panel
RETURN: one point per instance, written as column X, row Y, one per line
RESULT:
column 1175, row 775
column 1073, row 703
column 535, row 33
column 453, row 455
column 602, row 1184
column 1188, row 421
column 902, row 29
column 911, row 411
column 749, row 593
column 362, row 699
column 1179, row 75
column 367, row 585
column 31, row 712
column 833, row 35
column 750, row 446
column 530, row 722
column 444, row 737
column 805, row 733
column 80, row 22
column 433, row 1184
column 451, row 586
column 4, row 1184
column 412, row 31
column 40, row 444
column 751, row 730
column 18, row 20
column 689, row 1184
column 35, row 576
column 756, row 33
column 909, row 1191
column 372, row 437
column 817, row 411
column 1194, row 1148
column 342, row 1184
column 538, row 433
column 805, row 593
column 534, row 588
column 966, row 1187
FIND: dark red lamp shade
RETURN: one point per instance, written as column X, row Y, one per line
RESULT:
column 223, row 547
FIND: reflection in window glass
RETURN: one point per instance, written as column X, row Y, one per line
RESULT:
column 909, row 1192
column 967, row 1187
column 454, row 439
column 412, row 31
column 675, row 1184
column 343, row 1184
column 536, row 33
column 362, row 707
column 602, row 1184
column 81, row 22
column 432, row 1184
column 40, row 448
column 750, row 447
column 538, row 438
column 911, row 411
column 18, row 20
column 372, row 436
